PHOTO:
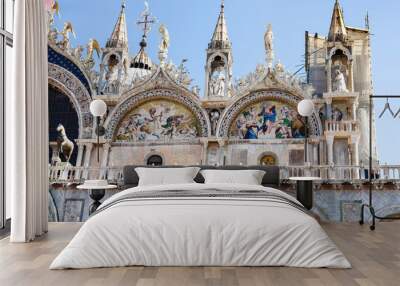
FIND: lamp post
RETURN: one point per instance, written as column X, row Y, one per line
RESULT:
column 306, row 109
column 98, row 108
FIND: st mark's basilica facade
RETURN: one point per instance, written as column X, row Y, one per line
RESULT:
column 155, row 115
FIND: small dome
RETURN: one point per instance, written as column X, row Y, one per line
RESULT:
column 142, row 60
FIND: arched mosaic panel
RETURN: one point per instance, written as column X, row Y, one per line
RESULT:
column 267, row 119
column 264, row 115
column 134, row 100
column 159, row 119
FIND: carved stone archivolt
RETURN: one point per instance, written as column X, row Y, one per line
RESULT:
column 237, row 106
column 76, row 92
column 133, row 101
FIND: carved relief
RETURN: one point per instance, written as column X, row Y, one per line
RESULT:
column 74, row 89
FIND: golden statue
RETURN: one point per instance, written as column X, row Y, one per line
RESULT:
column 54, row 9
column 92, row 46
column 64, row 43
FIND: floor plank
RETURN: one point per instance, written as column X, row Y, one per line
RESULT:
column 375, row 257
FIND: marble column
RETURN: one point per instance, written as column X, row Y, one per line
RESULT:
column 315, row 152
column 88, row 155
column 222, row 152
column 104, row 160
column 329, row 145
column 354, row 111
column 55, row 158
column 351, row 76
column 355, row 155
column 329, row 109
column 204, row 152
column 79, row 158
column 329, row 75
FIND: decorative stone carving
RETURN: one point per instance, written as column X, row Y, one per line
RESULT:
column 64, row 44
column 278, row 78
column 180, row 75
column 74, row 89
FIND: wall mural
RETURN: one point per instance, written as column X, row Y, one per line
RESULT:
column 158, row 120
column 268, row 120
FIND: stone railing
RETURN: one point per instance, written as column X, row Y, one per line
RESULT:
column 342, row 173
column 346, row 126
column 77, row 175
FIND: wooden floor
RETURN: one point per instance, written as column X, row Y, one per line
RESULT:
column 375, row 257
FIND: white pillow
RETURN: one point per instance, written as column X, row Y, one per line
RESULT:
column 244, row 177
column 166, row 176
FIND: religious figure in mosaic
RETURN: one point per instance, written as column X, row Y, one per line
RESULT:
column 158, row 120
column 268, row 120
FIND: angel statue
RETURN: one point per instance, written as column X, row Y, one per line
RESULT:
column 64, row 44
column 77, row 52
column 92, row 46
column 164, row 44
column 52, row 9
column 269, row 45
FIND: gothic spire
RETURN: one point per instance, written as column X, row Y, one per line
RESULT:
column 337, row 31
column 119, row 36
column 220, row 38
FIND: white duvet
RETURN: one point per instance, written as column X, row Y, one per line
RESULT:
column 200, row 232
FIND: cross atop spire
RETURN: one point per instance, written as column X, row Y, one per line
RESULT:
column 220, row 37
column 119, row 36
column 146, row 19
column 337, row 31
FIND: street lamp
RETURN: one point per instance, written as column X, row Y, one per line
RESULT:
column 306, row 109
column 98, row 108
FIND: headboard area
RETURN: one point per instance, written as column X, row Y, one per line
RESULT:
column 270, row 179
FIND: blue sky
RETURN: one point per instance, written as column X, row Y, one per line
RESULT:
column 191, row 23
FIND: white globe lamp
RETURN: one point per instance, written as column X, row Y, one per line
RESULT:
column 98, row 108
column 306, row 109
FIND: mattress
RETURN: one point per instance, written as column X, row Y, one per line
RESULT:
column 201, row 225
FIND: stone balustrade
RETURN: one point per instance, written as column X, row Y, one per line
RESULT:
column 345, row 126
column 77, row 175
column 328, row 173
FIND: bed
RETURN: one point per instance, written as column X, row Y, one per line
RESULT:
column 201, row 224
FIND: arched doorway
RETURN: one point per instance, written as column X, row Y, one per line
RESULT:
column 62, row 111
column 268, row 160
column 155, row 160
